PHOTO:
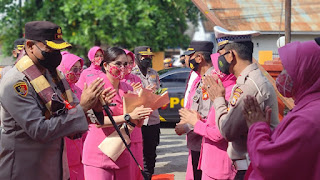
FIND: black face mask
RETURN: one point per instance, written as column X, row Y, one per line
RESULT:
column 145, row 63
column 223, row 64
column 193, row 64
column 51, row 59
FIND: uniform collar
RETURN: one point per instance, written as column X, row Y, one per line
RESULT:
column 243, row 75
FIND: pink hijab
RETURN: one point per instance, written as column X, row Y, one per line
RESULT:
column 92, row 72
column 130, row 54
column 302, row 62
column 131, row 78
column 68, row 60
column 92, row 52
column 227, row 80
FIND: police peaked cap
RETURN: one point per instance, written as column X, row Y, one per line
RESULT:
column 47, row 32
column 205, row 46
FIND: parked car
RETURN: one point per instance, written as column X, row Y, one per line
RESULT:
column 175, row 79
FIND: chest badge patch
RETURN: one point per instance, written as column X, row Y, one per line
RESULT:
column 236, row 95
column 21, row 88
column 205, row 95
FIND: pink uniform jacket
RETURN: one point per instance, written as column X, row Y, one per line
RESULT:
column 92, row 156
column 189, row 172
column 74, row 147
column 91, row 73
column 292, row 151
column 214, row 160
column 136, row 135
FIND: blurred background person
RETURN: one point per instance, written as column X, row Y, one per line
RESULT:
column 136, row 145
column 18, row 47
column 167, row 63
column 71, row 67
column 183, row 61
column 96, row 56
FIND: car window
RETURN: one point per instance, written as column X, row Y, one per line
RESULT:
column 175, row 80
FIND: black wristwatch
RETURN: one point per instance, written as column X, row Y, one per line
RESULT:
column 127, row 118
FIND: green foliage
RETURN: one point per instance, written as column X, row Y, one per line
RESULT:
column 127, row 23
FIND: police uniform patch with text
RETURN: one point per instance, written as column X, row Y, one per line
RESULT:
column 236, row 95
column 21, row 88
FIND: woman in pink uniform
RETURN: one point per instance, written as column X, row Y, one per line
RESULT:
column 71, row 67
column 136, row 135
column 98, row 166
column 292, row 150
column 214, row 160
column 96, row 56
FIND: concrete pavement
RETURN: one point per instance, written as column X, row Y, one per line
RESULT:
column 172, row 154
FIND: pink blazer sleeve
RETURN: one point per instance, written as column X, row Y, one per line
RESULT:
column 208, row 128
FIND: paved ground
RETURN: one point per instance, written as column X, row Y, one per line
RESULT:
column 172, row 154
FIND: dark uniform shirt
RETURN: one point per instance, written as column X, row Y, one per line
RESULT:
column 32, row 145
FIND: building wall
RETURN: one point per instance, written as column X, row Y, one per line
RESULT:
column 268, row 42
column 157, row 61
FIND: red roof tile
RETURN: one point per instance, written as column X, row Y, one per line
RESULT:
column 264, row 15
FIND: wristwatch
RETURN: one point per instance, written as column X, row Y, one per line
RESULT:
column 127, row 118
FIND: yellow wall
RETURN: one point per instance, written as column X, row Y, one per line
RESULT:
column 157, row 61
column 265, row 56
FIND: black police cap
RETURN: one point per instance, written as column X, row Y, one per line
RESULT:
column 46, row 32
column 19, row 43
column 143, row 50
column 205, row 46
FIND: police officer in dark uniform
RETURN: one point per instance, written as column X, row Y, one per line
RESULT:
column 151, row 128
column 38, row 108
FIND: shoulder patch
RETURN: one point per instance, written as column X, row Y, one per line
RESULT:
column 236, row 95
column 153, row 76
column 21, row 88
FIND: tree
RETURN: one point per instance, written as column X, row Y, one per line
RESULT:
column 127, row 23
